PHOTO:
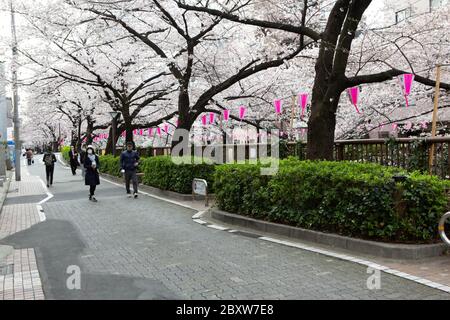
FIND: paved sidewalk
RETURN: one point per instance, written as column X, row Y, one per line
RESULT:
column 19, row 275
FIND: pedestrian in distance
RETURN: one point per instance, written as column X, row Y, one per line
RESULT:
column 92, row 178
column 73, row 156
column 29, row 155
column 49, row 160
column 129, row 161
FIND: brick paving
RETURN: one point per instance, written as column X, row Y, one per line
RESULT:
column 20, row 279
column 17, row 217
column 23, row 281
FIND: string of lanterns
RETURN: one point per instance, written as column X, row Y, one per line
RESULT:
column 405, row 82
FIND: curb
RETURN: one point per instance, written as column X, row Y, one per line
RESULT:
column 5, row 190
column 373, row 248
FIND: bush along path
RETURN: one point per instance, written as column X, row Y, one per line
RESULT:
column 347, row 198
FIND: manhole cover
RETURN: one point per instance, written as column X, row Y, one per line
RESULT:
column 8, row 269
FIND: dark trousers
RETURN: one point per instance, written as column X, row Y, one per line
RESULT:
column 130, row 175
column 29, row 161
column 49, row 173
column 73, row 166
column 92, row 189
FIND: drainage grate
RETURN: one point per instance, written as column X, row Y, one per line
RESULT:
column 5, row 270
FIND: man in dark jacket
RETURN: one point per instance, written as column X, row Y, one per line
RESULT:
column 129, row 160
column 73, row 155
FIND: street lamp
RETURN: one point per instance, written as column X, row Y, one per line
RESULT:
column 114, row 115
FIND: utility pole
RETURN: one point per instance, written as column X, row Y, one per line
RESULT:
column 435, row 110
column 15, row 96
column 3, row 121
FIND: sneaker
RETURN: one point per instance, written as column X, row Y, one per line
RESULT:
column 93, row 199
column 90, row 197
column 48, row 186
column 129, row 195
column 135, row 195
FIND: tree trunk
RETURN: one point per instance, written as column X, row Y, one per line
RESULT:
column 321, row 128
column 78, row 147
column 185, row 118
column 89, row 131
column 108, row 149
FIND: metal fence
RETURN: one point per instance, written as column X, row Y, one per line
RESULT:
column 407, row 153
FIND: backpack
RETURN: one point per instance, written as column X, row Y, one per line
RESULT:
column 48, row 160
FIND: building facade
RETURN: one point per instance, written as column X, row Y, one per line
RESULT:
column 400, row 10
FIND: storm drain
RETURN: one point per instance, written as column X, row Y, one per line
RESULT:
column 5, row 270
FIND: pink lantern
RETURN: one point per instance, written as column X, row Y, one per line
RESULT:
column 204, row 120
column 141, row 132
column 166, row 128
column 150, row 131
column 277, row 104
column 242, row 111
column 135, row 132
column 226, row 114
column 353, row 96
column 211, row 117
column 158, row 130
column 178, row 123
column 406, row 81
column 302, row 102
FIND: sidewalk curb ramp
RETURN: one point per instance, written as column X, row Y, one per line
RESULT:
column 378, row 249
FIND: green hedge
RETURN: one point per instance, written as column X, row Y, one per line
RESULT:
column 110, row 165
column 65, row 153
column 161, row 172
column 352, row 199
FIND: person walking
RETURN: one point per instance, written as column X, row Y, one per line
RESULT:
column 29, row 155
column 129, row 161
column 82, row 157
column 91, row 179
column 73, row 156
column 49, row 160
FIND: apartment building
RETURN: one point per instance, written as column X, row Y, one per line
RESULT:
column 400, row 10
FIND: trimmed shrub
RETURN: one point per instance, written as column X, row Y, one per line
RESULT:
column 110, row 165
column 352, row 199
column 65, row 153
column 161, row 172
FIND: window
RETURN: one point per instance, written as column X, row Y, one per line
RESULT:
column 434, row 4
column 402, row 15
